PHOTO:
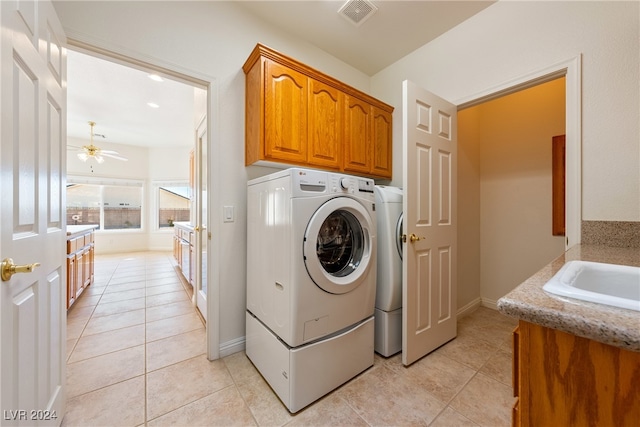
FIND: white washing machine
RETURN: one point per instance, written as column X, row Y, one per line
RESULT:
column 311, row 280
column 388, row 312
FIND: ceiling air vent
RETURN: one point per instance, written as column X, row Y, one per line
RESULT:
column 357, row 11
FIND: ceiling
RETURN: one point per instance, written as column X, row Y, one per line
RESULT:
column 116, row 97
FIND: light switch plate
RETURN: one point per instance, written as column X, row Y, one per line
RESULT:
column 228, row 214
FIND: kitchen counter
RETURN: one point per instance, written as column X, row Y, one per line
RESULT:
column 606, row 324
column 78, row 229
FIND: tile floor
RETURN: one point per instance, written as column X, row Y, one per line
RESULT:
column 136, row 356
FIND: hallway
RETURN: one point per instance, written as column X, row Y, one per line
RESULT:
column 136, row 356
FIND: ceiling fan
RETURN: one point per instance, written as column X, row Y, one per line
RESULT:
column 91, row 151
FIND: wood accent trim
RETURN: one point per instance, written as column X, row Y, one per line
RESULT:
column 263, row 51
column 558, row 185
column 568, row 380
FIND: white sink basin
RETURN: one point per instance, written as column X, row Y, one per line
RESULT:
column 610, row 284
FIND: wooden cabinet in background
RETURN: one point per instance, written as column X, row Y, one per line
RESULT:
column 80, row 260
column 561, row 379
column 299, row 116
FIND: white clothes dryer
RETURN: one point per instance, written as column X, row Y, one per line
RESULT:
column 388, row 312
column 311, row 280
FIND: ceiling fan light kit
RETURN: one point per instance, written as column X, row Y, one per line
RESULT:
column 91, row 151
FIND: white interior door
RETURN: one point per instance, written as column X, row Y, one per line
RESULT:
column 201, row 232
column 430, row 214
column 32, row 214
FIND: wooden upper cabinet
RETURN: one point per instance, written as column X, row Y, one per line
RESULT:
column 285, row 105
column 381, row 135
column 357, row 140
column 325, row 125
column 299, row 116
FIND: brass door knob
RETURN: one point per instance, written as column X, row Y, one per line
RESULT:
column 9, row 268
column 413, row 238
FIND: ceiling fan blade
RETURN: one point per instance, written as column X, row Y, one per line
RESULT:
column 113, row 156
column 108, row 151
column 73, row 147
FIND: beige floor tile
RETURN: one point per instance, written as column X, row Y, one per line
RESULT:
column 121, row 404
column 265, row 406
column 87, row 300
column 115, row 321
column 75, row 327
column 173, row 287
column 95, row 289
column 169, row 310
column 450, row 418
column 439, row 375
column 175, row 349
column 70, row 346
column 222, row 408
column 381, row 398
column 329, row 411
column 79, row 313
column 485, row 401
column 129, row 286
column 499, row 367
column 169, row 280
column 107, row 342
column 182, row 383
column 92, row 374
column 166, row 298
column 469, row 350
column 106, row 309
column 241, row 368
column 173, row 326
column 122, row 295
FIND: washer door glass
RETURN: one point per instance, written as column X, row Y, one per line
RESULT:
column 399, row 235
column 337, row 245
column 340, row 243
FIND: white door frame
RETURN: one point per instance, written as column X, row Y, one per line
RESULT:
column 571, row 69
column 137, row 60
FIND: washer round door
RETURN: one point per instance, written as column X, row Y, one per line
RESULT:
column 337, row 245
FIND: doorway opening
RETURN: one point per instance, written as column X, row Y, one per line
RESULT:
column 505, row 187
column 158, row 158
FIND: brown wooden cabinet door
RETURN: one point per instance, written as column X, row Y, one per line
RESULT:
column 325, row 125
column 71, row 279
column 357, row 139
column 381, row 153
column 285, row 115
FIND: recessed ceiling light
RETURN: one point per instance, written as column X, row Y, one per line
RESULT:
column 153, row 105
column 155, row 77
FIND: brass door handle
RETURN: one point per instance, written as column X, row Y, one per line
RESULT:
column 413, row 238
column 9, row 268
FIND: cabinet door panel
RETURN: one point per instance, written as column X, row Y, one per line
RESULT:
column 381, row 162
column 325, row 124
column 285, row 114
column 357, row 136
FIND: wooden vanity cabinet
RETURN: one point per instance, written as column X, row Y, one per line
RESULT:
column 80, row 261
column 299, row 116
column 560, row 379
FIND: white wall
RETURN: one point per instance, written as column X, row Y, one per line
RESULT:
column 145, row 165
column 512, row 39
column 207, row 40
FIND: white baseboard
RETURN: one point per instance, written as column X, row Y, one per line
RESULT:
column 469, row 308
column 489, row 303
column 233, row 346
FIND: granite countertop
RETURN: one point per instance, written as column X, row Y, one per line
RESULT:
column 74, row 229
column 610, row 325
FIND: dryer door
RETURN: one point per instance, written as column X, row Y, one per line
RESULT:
column 337, row 245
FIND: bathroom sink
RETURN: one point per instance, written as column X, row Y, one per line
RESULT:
column 610, row 284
